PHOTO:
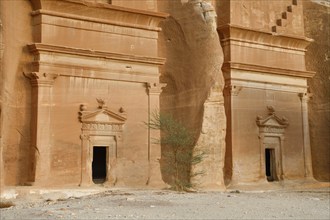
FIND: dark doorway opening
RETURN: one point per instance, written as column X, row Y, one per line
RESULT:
column 99, row 165
column 270, row 165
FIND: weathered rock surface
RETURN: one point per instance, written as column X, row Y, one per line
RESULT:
column 15, row 91
column 194, row 82
column 1, row 85
column 316, row 15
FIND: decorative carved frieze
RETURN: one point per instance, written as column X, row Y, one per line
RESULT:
column 271, row 130
column 102, row 127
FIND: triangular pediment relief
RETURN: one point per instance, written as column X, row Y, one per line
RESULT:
column 102, row 116
column 272, row 120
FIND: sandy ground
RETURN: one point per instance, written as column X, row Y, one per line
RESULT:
column 164, row 204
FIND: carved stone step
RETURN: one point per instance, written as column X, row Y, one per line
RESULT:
column 278, row 29
column 287, row 15
column 281, row 22
column 292, row 8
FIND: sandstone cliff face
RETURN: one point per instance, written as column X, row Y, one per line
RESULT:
column 316, row 17
column 193, row 94
column 1, row 86
column 15, row 91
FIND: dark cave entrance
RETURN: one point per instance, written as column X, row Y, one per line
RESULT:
column 270, row 163
column 99, row 164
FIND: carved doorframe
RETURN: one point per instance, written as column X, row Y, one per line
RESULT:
column 278, row 153
column 270, row 128
column 100, row 132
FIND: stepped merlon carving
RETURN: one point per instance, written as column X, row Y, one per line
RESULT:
column 286, row 18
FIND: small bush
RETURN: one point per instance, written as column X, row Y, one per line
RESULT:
column 179, row 155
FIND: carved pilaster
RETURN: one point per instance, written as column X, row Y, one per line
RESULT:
column 42, row 95
column 232, row 90
column 305, row 97
column 154, row 149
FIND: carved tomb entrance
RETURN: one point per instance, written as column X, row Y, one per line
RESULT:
column 271, row 134
column 101, row 137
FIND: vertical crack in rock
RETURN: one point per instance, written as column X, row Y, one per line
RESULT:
column 194, row 84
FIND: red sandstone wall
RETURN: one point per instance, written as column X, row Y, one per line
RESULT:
column 15, row 92
column 317, row 59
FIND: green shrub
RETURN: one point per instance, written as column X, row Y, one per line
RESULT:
column 178, row 155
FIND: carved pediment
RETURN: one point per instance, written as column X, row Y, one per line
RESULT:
column 272, row 123
column 102, row 115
